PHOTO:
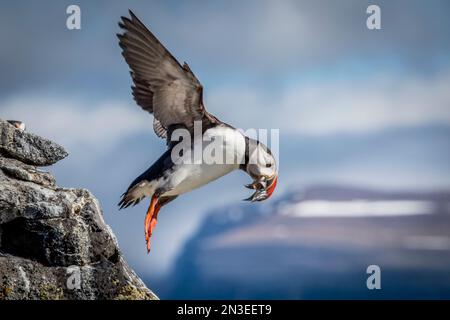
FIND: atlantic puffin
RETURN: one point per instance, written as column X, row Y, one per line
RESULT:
column 172, row 93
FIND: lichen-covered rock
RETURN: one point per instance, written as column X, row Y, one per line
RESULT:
column 27, row 147
column 54, row 243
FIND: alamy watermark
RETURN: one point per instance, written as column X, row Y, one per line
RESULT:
column 374, row 280
column 373, row 21
column 73, row 21
column 223, row 145
column 73, row 281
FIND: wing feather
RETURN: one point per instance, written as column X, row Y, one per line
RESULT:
column 161, row 85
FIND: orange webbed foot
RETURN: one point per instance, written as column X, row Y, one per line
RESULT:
column 151, row 219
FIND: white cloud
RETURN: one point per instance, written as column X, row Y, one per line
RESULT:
column 376, row 104
column 336, row 106
column 332, row 106
column 74, row 123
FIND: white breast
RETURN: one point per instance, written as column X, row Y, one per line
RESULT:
column 187, row 177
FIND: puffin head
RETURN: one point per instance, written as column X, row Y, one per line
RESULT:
column 263, row 169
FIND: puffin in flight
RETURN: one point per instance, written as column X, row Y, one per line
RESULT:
column 171, row 92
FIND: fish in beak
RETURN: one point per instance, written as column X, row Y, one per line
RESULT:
column 264, row 189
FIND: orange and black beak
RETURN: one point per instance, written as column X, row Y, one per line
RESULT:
column 271, row 184
column 263, row 189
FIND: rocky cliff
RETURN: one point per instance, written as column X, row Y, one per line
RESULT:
column 54, row 243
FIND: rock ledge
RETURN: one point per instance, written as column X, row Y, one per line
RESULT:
column 54, row 243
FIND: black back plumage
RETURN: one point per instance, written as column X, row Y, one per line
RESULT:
column 156, row 171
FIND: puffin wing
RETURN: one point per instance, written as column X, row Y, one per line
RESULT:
column 162, row 86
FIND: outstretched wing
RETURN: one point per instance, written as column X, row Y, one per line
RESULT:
column 162, row 86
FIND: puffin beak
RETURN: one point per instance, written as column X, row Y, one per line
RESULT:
column 264, row 189
column 271, row 184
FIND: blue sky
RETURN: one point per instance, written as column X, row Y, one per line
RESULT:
column 309, row 68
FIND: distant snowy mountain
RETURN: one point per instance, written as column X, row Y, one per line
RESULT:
column 317, row 243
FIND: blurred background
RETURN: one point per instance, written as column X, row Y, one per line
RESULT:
column 364, row 119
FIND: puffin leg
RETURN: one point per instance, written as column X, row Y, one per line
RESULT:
column 150, row 219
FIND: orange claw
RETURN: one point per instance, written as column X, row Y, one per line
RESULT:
column 150, row 219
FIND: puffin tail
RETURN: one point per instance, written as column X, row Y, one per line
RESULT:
column 131, row 197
